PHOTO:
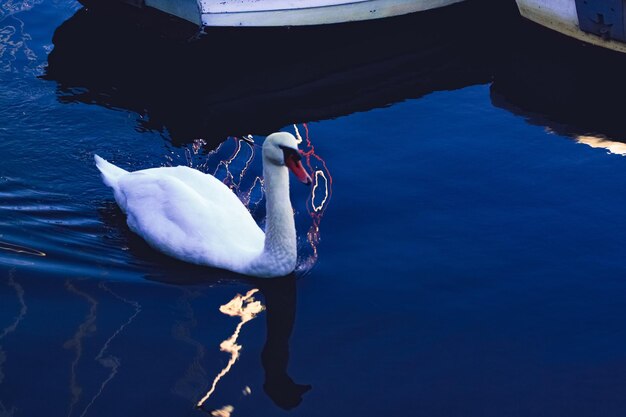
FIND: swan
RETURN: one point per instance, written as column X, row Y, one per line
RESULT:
column 196, row 218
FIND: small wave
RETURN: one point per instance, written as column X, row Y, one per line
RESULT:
column 6, row 246
column 12, row 7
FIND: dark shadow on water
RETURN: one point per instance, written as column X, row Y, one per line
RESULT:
column 554, row 81
column 280, row 302
column 256, row 80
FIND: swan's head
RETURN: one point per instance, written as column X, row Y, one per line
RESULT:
column 281, row 149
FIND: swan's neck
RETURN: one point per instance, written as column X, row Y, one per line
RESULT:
column 280, row 231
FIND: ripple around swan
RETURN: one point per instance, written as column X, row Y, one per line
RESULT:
column 42, row 231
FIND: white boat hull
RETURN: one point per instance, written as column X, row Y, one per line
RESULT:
column 561, row 16
column 290, row 12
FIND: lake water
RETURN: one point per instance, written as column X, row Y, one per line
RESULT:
column 462, row 253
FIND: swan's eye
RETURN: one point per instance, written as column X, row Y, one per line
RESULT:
column 290, row 153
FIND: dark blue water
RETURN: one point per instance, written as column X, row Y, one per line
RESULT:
column 463, row 253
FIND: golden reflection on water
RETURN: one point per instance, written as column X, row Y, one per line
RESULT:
column 225, row 411
column 617, row 148
column 246, row 308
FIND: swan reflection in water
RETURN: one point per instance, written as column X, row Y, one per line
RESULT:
column 280, row 299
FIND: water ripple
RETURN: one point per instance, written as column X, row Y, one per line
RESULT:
column 11, row 7
column 14, row 46
column 110, row 361
column 46, row 231
column 86, row 328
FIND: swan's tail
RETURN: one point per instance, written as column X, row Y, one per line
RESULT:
column 110, row 173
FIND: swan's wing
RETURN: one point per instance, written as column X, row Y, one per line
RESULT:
column 206, row 186
column 174, row 217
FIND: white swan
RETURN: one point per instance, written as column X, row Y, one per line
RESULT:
column 194, row 217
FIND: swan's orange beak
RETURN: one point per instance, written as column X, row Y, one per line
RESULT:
column 294, row 163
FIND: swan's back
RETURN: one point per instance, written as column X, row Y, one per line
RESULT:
column 190, row 216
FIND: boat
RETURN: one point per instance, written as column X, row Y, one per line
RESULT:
column 232, row 81
column 600, row 23
column 259, row 13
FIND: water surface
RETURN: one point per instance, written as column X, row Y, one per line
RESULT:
column 462, row 253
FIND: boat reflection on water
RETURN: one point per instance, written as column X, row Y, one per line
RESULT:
column 236, row 81
column 569, row 89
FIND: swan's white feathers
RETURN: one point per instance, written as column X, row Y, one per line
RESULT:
column 110, row 173
column 190, row 216
column 194, row 217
